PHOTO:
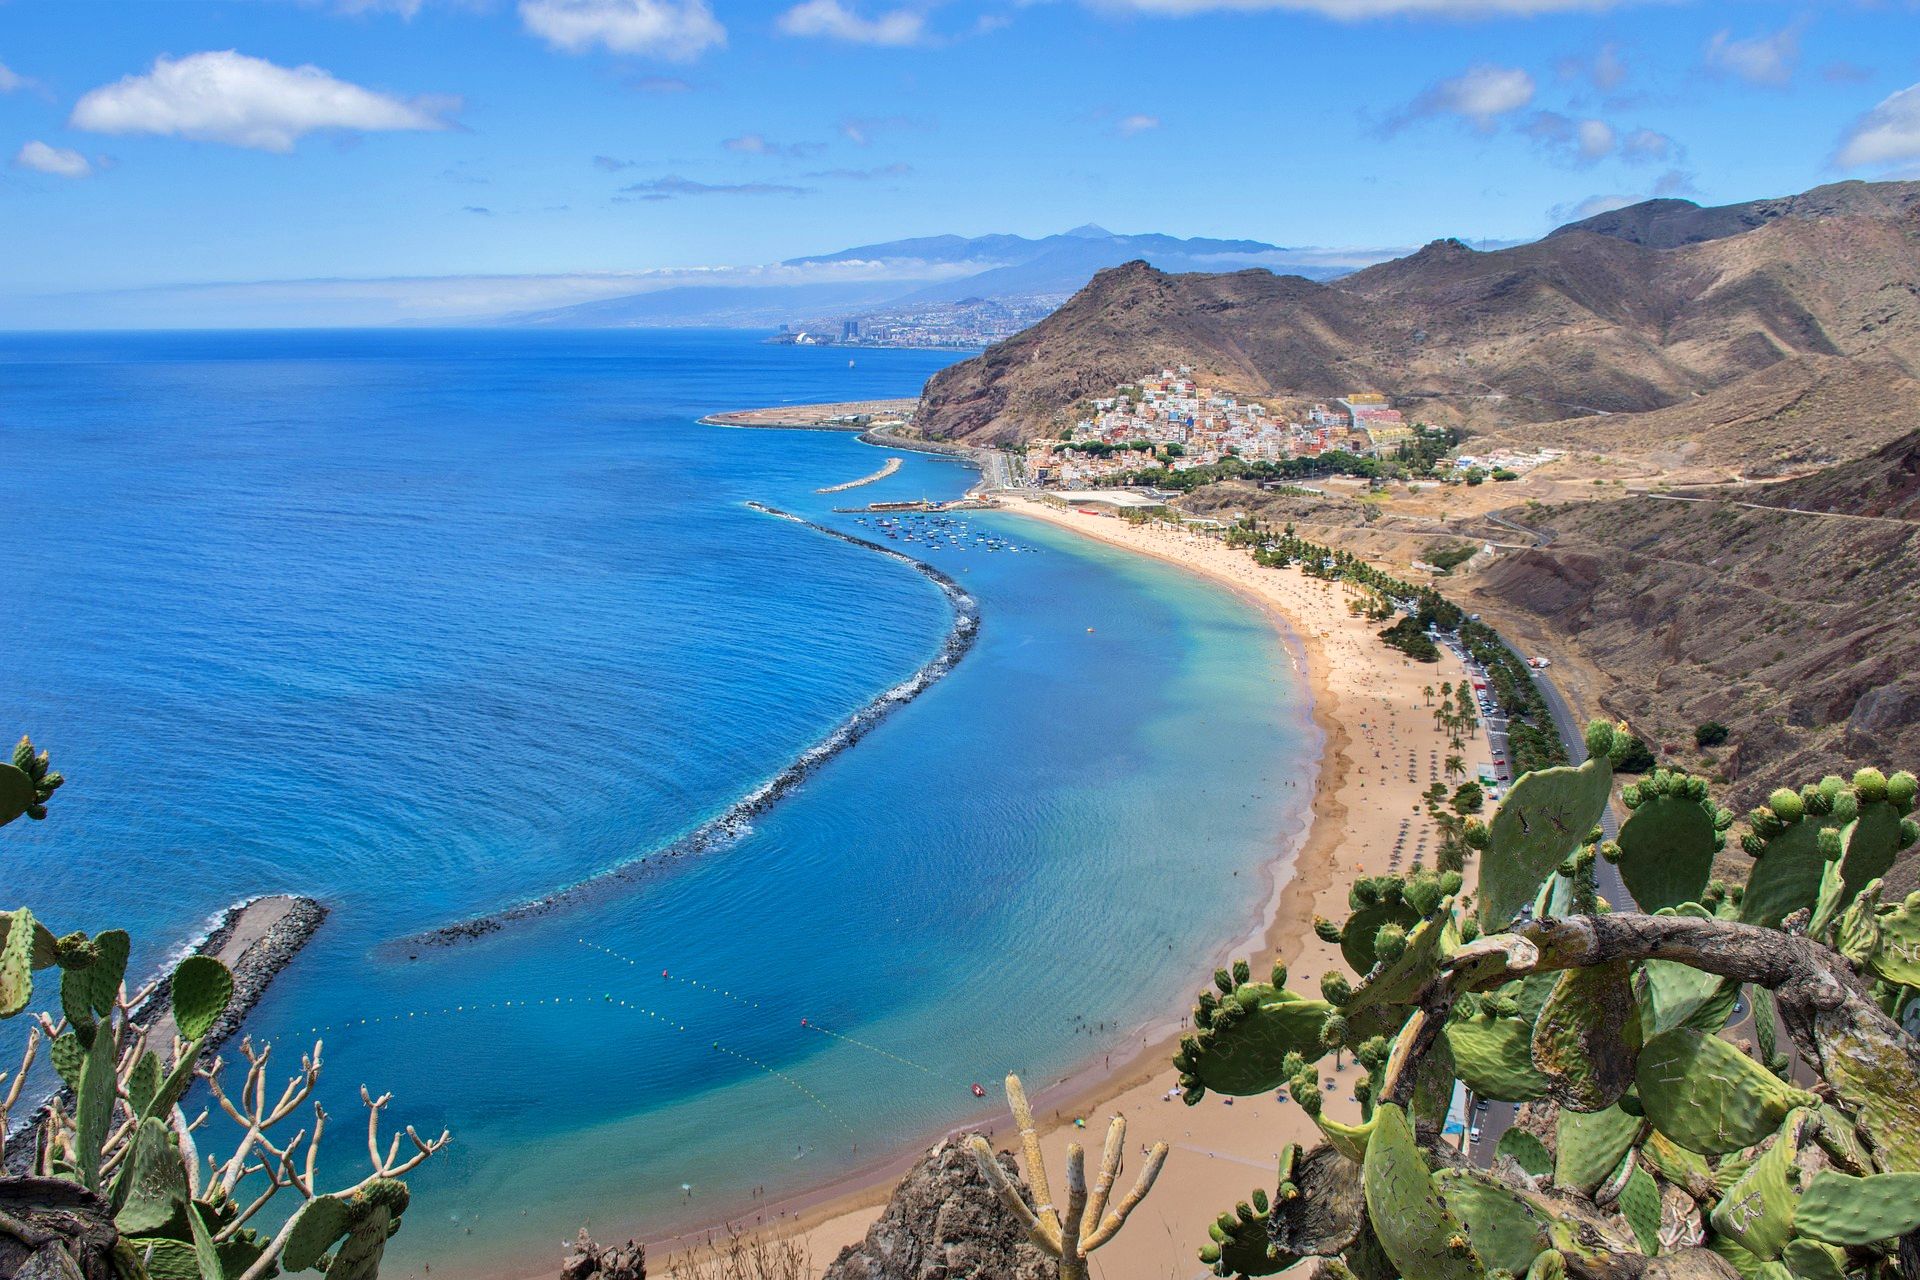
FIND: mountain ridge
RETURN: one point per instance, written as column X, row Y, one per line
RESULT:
column 1577, row 324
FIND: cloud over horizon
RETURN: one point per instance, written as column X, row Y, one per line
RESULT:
column 1361, row 10
column 1766, row 60
column 58, row 162
column 834, row 20
column 673, row 186
column 228, row 97
column 676, row 30
column 1480, row 95
column 1885, row 136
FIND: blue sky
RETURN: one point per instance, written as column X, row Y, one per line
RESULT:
column 414, row 158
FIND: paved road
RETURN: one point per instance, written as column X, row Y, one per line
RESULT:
column 1764, row 506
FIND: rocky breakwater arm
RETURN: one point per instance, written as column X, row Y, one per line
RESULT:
column 735, row 819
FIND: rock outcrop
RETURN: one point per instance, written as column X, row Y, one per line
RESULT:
column 944, row 1223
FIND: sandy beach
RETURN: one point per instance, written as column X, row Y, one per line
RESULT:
column 1382, row 750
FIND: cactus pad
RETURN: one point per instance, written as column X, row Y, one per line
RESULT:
column 1789, row 863
column 16, row 793
column 1590, row 1146
column 1506, row 1232
column 1640, row 1206
column 1587, row 1035
column 202, row 988
column 1420, row 1236
column 1708, row 1096
column 16, row 961
column 1758, row 1209
column 1243, row 1036
column 1527, row 1151
column 1545, row 818
column 1845, row 1210
column 1494, row 1058
column 1666, row 845
column 152, row 1181
column 1241, row 1244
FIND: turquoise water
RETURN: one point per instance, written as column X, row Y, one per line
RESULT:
column 429, row 624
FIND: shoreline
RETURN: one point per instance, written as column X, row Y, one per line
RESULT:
column 1348, row 832
column 733, row 820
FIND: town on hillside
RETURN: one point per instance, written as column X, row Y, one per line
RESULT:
column 1172, row 421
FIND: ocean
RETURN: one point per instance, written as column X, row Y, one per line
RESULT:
column 430, row 624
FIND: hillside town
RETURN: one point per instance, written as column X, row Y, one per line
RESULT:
column 1172, row 420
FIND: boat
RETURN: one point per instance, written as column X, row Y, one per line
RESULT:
column 978, row 1091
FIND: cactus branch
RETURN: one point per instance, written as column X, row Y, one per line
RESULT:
column 1071, row 1236
column 1131, row 1201
column 1110, row 1159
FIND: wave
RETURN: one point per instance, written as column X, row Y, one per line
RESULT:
column 736, row 820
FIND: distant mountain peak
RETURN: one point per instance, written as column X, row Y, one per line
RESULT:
column 1089, row 231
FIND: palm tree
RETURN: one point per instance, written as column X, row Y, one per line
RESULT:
column 1456, row 765
column 1428, row 694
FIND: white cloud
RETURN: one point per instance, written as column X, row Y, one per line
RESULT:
column 679, row 30
column 58, row 161
column 12, row 81
column 1887, row 135
column 1762, row 60
column 1478, row 95
column 1561, row 214
column 1595, row 139
column 1360, row 10
column 758, row 144
column 245, row 102
column 834, row 20
column 1577, row 141
column 1648, row 146
column 1132, row 126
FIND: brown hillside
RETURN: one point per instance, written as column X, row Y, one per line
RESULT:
column 1793, row 629
column 1668, row 224
column 1573, row 326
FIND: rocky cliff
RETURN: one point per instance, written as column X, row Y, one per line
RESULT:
column 944, row 1223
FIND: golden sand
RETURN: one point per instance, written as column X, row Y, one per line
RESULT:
column 1382, row 749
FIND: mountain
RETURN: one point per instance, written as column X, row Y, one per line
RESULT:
column 929, row 271
column 1789, row 626
column 1668, row 224
column 1579, row 324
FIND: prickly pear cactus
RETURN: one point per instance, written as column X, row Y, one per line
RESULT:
column 1421, row 1236
column 1666, row 846
column 1244, row 1032
column 1708, row 1096
column 1589, row 1146
column 1844, row 1210
column 26, row 784
column 1494, row 1058
column 1542, row 822
column 1758, row 1209
column 1587, row 1037
column 1784, row 841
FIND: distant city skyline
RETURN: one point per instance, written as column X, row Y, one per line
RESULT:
column 372, row 161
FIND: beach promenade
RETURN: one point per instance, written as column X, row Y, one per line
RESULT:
column 1382, row 749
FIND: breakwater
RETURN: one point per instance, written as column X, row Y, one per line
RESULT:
column 892, row 465
column 735, row 819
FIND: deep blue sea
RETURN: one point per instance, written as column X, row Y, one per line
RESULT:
column 426, row 624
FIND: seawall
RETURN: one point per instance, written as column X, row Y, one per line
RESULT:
column 736, row 818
